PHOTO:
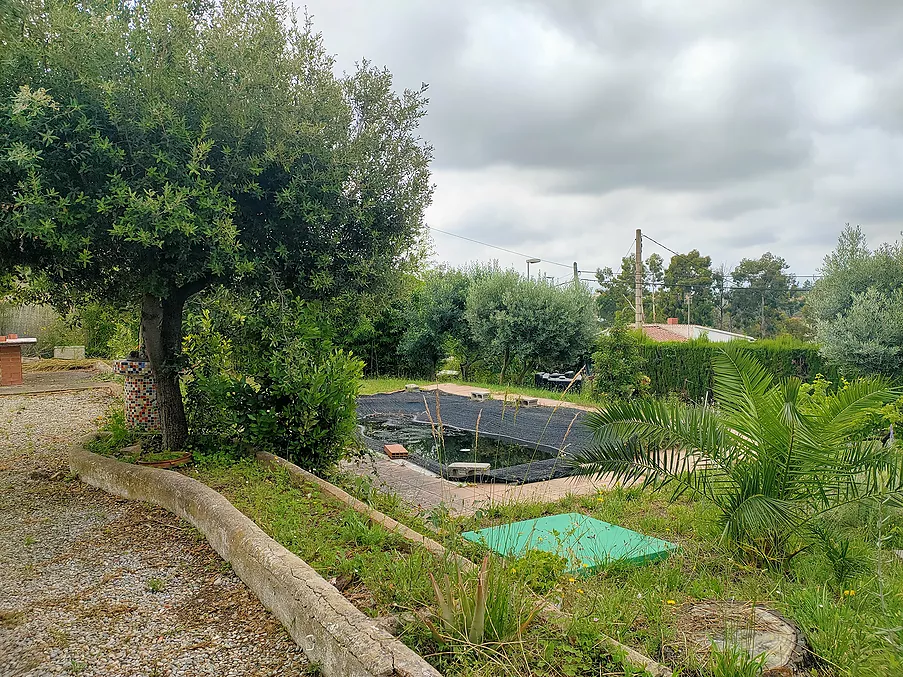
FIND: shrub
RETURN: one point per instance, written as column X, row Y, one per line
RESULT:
column 618, row 365
column 686, row 368
column 278, row 385
column 486, row 608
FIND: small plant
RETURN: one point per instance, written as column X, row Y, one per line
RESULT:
column 358, row 530
column 489, row 608
column 734, row 661
column 847, row 562
column 539, row 570
column 155, row 585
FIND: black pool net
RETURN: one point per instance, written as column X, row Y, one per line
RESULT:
column 554, row 432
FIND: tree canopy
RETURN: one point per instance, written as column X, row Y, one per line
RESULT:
column 858, row 305
column 151, row 150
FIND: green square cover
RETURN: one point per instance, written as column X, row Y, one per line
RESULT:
column 584, row 541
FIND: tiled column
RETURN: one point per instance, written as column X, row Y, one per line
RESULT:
column 141, row 409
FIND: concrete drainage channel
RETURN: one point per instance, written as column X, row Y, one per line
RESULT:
column 333, row 633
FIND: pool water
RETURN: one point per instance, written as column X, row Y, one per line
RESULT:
column 457, row 447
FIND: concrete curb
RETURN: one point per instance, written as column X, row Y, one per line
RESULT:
column 550, row 611
column 334, row 634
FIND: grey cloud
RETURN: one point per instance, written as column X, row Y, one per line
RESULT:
column 747, row 115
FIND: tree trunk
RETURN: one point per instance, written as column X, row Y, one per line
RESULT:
column 161, row 325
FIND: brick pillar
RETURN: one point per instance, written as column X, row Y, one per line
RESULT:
column 10, row 365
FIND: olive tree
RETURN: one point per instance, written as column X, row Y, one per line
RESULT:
column 533, row 322
column 152, row 150
column 858, row 305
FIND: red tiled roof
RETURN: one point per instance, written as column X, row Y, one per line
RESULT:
column 659, row 333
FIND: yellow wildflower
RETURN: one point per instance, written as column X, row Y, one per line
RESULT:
column 671, row 601
column 849, row 593
column 572, row 580
column 580, row 591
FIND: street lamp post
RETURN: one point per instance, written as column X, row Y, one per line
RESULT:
column 529, row 261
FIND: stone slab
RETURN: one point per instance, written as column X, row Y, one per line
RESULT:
column 68, row 352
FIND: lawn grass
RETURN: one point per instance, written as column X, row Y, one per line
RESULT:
column 371, row 386
column 855, row 630
column 386, row 574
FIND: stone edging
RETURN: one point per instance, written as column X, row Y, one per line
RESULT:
column 549, row 610
column 333, row 633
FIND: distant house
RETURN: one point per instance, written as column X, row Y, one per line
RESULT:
column 674, row 331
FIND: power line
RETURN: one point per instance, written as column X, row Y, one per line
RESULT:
column 661, row 245
column 503, row 249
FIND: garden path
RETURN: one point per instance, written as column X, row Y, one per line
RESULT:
column 94, row 585
column 425, row 491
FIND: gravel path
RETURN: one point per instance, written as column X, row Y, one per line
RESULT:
column 95, row 585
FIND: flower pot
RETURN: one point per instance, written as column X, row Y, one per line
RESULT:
column 12, row 336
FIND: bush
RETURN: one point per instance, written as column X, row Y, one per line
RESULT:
column 279, row 386
column 618, row 365
column 686, row 368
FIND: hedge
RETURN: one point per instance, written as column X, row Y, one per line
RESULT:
column 686, row 368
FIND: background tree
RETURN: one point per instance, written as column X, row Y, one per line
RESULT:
column 688, row 288
column 153, row 150
column 529, row 322
column 762, row 296
column 616, row 292
column 857, row 305
column 436, row 322
column 655, row 276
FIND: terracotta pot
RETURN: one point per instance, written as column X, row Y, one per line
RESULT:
column 12, row 336
column 2, row 339
column 168, row 463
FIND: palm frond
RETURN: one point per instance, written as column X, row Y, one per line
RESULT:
column 844, row 410
column 662, row 424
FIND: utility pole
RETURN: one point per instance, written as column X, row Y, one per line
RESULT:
column 638, row 292
column 576, row 276
column 762, row 329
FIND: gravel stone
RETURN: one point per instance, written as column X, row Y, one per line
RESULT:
column 94, row 585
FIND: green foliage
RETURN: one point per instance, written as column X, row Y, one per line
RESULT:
column 687, row 368
column 436, row 322
column 858, row 305
column 847, row 561
column 529, row 323
column 618, row 365
column 539, row 570
column 486, row 607
column 688, row 289
column 765, row 297
column 734, row 661
column 769, row 467
column 277, row 385
column 151, row 150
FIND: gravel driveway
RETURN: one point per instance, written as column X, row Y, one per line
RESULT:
column 95, row 585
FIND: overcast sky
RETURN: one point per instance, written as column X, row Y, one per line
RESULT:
column 561, row 126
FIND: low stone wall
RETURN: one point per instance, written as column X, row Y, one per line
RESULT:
column 334, row 634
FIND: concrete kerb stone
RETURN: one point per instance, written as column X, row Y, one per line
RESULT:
column 548, row 610
column 333, row 633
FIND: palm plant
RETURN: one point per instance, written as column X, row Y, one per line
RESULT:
column 768, row 464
